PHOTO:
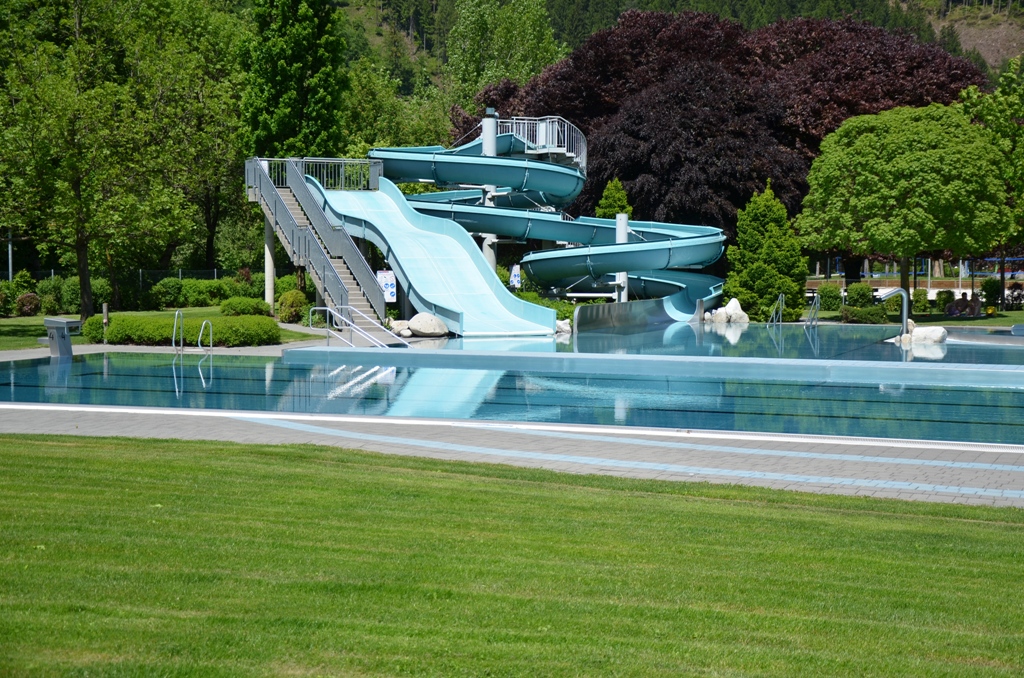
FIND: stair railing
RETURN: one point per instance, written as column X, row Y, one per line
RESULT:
column 349, row 175
column 337, row 322
column 301, row 243
column 551, row 132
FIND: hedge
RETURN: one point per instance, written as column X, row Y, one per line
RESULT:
column 860, row 295
column 830, row 295
column 244, row 306
column 869, row 315
column 249, row 330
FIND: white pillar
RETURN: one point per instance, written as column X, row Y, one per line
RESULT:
column 268, row 263
column 489, row 142
column 621, row 278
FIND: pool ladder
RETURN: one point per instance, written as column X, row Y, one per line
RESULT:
column 178, row 344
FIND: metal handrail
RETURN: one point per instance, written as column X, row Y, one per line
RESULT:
column 372, row 321
column 301, row 244
column 906, row 305
column 337, row 240
column 179, row 326
column 348, row 324
column 343, row 174
column 775, row 315
column 812, row 313
column 202, row 328
column 549, row 133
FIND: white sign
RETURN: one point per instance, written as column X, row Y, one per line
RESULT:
column 386, row 280
column 516, row 277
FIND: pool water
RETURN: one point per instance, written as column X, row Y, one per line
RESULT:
column 837, row 397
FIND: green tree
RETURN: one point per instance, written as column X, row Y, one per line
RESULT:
column 490, row 42
column 293, row 96
column 1002, row 112
column 613, row 201
column 766, row 260
column 906, row 181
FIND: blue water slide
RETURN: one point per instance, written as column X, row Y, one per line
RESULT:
column 538, row 181
column 652, row 248
column 436, row 261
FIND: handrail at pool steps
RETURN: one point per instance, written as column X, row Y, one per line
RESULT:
column 336, row 316
column 179, row 327
column 337, row 240
column 199, row 341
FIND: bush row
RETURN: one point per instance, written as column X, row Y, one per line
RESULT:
column 244, row 306
column 250, row 330
column 57, row 295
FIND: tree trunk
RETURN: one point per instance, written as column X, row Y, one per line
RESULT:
column 84, row 281
column 300, row 278
column 211, row 218
column 905, row 273
column 1002, row 277
column 852, row 265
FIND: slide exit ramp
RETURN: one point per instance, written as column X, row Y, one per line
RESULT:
column 436, row 261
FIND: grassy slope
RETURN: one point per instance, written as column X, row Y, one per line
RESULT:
column 18, row 333
column 147, row 557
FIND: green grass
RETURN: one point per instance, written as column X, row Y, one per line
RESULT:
column 141, row 557
column 1000, row 319
column 19, row 333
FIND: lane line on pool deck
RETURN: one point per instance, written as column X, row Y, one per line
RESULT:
column 637, row 465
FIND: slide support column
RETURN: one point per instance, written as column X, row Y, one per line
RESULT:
column 621, row 278
column 268, row 263
column 489, row 141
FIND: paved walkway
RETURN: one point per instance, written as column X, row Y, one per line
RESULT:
column 916, row 470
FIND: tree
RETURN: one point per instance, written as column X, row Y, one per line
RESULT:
column 694, row 113
column 293, row 96
column 1002, row 112
column 491, row 42
column 906, row 181
column 766, row 260
column 613, row 201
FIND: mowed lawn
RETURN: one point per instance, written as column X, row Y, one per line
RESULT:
column 141, row 557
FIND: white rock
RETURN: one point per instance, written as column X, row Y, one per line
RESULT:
column 707, row 316
column 720, row 316
column 911, row 325
column 929, row 335
column 733, row 308
column 399, row 325
column 405, row 333
column 563, row 327
column 427, row 325
column 928, row 351
column 739, row 317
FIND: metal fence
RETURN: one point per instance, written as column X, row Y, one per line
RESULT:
column 552, row 133
column 342, row 174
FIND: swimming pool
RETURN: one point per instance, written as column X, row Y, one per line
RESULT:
column 837, row 396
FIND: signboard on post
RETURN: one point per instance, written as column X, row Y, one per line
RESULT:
column 386, row 280
column 515, row 278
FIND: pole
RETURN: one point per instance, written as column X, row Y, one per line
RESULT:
column 489, row 142
column 10, row 255
column 268, row 263
column 622, row 277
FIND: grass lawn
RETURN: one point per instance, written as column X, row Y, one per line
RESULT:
column 132, row 557
column 1000, row 319
column 18, row 333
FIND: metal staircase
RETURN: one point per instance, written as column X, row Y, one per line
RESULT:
column 337, row 269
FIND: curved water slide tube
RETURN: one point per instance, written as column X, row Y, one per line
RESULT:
column 436, row 261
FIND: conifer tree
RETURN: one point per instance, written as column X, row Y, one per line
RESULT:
column 293, row 98
column 766, row 260
column 613, row 201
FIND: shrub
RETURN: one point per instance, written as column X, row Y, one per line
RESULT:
column 860, row 295
column 49, row 291
column 284, row 285
column 1014, row 297
column 27, row 304
column 167, row 293
column 101, row 292
column 290, row 305
column 990, row 290
column 146, row 331
column 894, row 304
column 870, row 315
column 944, row 298
column 70, row 295
column 563, row 308
column 831, row 296
column 6, row 298
column 92, row 329
column 921, row 305
column 201, row 292
column 22, row 284
column 503, row 275
column 244, row 306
